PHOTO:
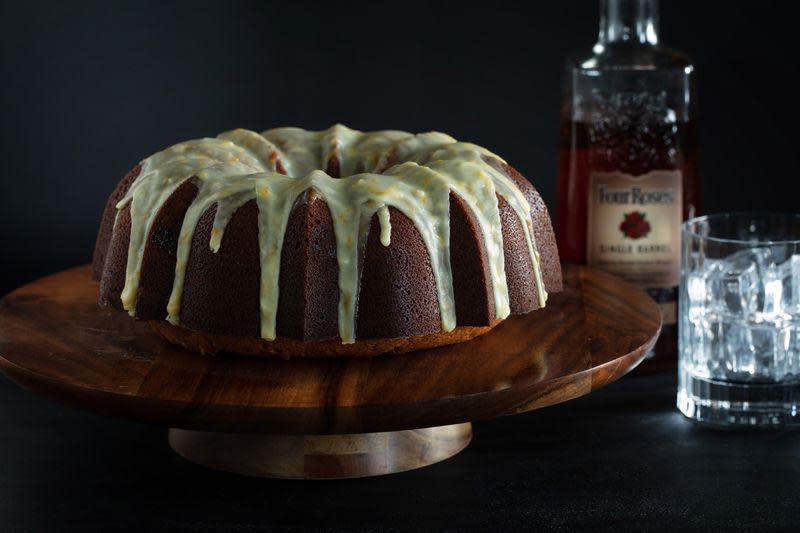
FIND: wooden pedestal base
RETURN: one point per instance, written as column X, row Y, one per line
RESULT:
column 321, row 456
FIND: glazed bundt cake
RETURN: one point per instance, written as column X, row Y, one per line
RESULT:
column 324, row 243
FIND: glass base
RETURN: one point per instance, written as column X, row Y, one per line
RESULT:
column 737, row 405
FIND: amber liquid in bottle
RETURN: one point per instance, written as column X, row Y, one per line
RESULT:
column 627, row 159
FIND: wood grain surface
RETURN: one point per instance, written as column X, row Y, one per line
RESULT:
column 56, row 341
column 321, row 456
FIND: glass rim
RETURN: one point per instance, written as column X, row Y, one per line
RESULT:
column 686, row 224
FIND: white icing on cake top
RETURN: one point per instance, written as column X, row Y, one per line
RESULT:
column 381, row 169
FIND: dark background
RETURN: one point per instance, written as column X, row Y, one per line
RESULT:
column 620, row 459
column 89, row 88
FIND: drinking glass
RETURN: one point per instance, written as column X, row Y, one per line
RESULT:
column 739, row 319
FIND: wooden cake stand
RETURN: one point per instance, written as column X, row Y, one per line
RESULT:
column 325, row 418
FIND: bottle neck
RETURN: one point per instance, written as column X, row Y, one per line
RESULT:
column 628, row 21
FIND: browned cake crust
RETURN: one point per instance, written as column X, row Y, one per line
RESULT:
column 210, row 344
column 397, row 308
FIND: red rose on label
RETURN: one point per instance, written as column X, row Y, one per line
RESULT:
column 634, row 225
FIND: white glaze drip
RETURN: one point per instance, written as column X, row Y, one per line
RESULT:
column 386, row 225
column 508, row 190
column 415, row 174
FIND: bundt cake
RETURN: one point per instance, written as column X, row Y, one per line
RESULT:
column 324, row 243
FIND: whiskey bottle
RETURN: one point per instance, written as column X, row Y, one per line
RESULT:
column 627, row 158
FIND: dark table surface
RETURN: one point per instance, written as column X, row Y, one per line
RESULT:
column 621, row 458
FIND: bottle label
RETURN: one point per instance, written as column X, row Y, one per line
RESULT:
column 634, row 228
